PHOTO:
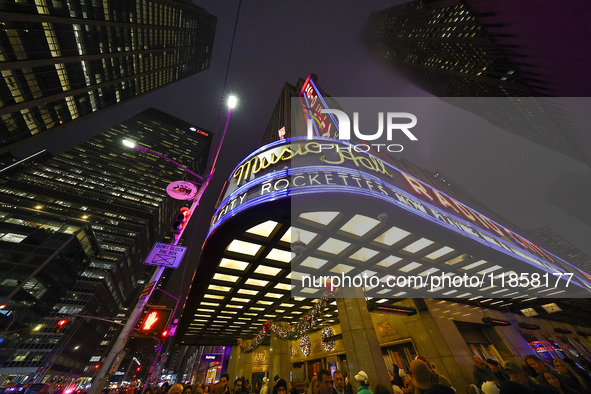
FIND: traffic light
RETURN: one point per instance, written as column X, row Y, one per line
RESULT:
column 181, row 220
column 97, row 366
column 138, row 369
column 164, row 334
column 61, row 324
column 156, row 320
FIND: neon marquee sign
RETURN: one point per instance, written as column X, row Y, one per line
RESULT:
column 298, row 165
column 431, row 194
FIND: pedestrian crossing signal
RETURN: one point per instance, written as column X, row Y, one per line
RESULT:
column 156, row 320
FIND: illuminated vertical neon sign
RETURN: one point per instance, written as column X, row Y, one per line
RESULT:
column 324, row 125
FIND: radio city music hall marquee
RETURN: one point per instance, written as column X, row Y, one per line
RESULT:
column 300, row 166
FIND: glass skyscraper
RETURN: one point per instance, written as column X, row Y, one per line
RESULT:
column 96, row 211
column 64, row 60
column 492, row 49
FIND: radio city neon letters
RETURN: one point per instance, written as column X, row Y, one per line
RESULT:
column 448, row 202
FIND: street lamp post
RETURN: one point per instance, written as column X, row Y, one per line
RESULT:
column 102, row 376
column 232, row 101
column 131, row 144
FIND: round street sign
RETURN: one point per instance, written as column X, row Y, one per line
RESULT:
column 182, row 190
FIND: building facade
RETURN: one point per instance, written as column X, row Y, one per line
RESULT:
column 116, row 196
column 62, row 61
column 477, row 49
column 298, row 210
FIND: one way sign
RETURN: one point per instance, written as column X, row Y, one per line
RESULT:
column 166, row 255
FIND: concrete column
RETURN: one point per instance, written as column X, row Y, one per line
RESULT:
column 233, row 363
column 245, row 362
column 279, row 360
column 361, row 342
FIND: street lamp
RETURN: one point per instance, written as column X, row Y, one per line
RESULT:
column 117, row 349
column 232, row 101
column 131, row 144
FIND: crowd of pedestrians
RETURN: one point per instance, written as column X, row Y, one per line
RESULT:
column 562, row 376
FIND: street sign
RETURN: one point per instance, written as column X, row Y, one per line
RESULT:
column 211, row 357
column 166, row 255
column 182, row 190
column 148, row 289
column 117, row 362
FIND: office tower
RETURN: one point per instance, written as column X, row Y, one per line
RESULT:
column 112, row 194
column 444, row 49
column 482, row 49
column 41, row 258
column 62, row 61
column 486, row 48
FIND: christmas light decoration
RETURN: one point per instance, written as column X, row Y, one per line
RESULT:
column 305, row 345
column 305, row 324
column 289, row 332
column 252, row 345
column 327, row 332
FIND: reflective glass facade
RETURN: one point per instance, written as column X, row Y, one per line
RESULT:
column 117, row 195
column 62, row 60
column 488, row 49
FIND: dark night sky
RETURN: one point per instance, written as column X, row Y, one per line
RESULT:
column 280, row 41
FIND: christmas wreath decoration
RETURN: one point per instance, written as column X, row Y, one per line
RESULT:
column 327, row 332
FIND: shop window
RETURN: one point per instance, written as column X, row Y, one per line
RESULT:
column 211, row 375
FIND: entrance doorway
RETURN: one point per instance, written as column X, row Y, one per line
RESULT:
column 257, row 377
column 400, row 353
column 314, row 366
column 476, row 337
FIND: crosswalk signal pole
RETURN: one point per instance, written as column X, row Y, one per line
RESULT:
column 102, row 376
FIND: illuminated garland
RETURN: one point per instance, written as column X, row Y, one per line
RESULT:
column 305, row 324
column 305, row 345
column 289, row 332
column 326, row 333
column 252, row 345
